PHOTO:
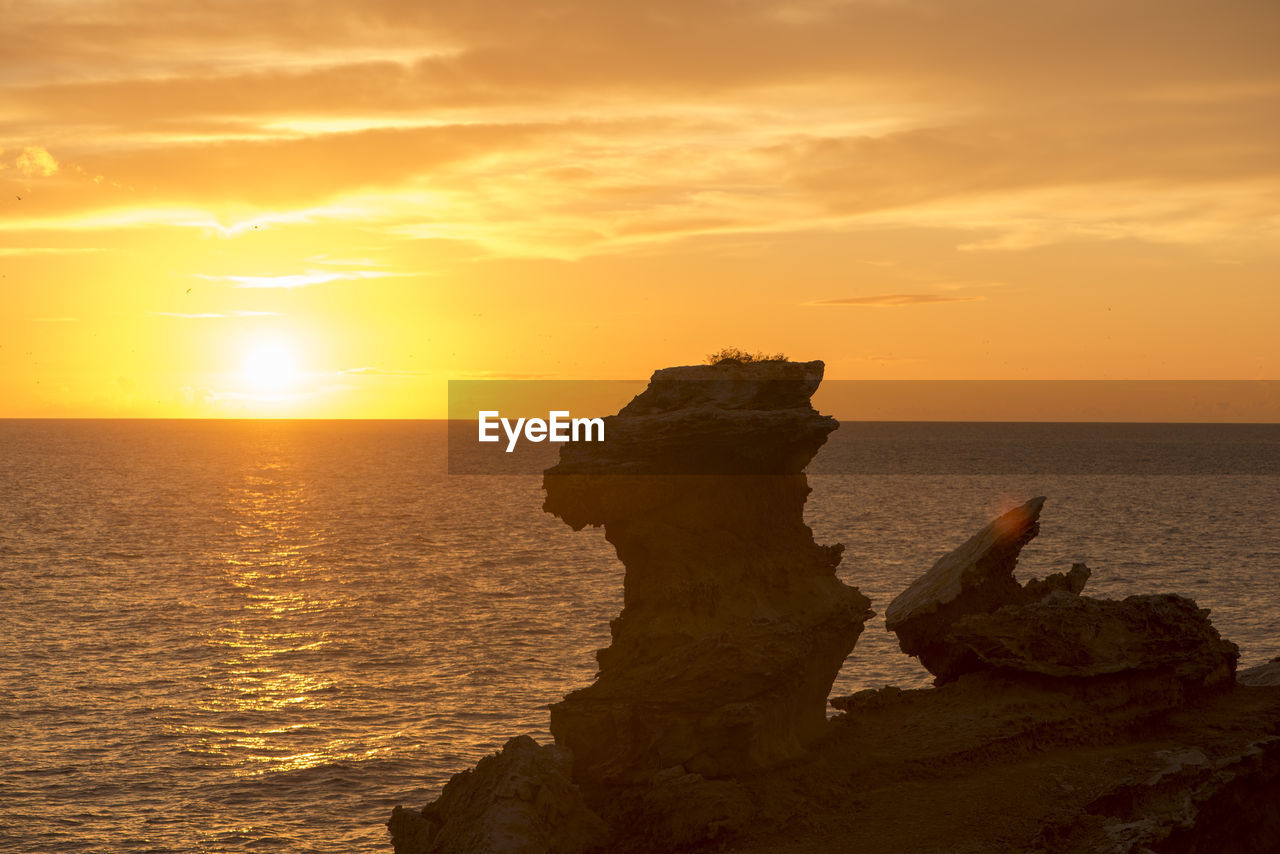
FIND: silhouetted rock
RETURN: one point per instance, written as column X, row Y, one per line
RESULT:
column 1192, row 803
column 1072, row 635
column 519, row 801
column 678, row 811
column 976, row 578
column 867, row 699
column 1081, row 725
column 733, row 624
column 1072, row 581
column 1006, row 762
column 968, row 613
column 729, row 419
column 1263, row 674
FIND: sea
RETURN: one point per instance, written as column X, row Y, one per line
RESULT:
column 236, row 636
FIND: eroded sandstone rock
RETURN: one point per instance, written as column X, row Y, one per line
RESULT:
column 519, row 801
column 1262, row 675
column 976, row 578
column 733, row 624
column 1192, row 803
column 968, row 613
column 1072, row 635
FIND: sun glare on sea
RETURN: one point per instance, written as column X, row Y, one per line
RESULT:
column 270, row 367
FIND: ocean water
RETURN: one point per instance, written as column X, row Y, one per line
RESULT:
column 245, row 636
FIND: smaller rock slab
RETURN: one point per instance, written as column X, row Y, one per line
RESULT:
column 976, row 578
column 1068, row 635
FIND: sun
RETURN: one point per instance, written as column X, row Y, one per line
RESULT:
column 270, row 366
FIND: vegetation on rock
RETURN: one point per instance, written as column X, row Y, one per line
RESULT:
column 736, row 354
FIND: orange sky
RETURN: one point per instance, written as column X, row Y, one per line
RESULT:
column 220, row 207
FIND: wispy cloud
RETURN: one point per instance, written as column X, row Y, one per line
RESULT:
column 7, row 251
column 895, row 300
column 381, row 372
column 346, row 262
column 270, row 219
column 501, row 375
column 301, row 280
column 213, row 314
column 276, row 398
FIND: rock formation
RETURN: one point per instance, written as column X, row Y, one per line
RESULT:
column 520, row 801
column 1262, row 675
column 968, row 613
column 734, row 625
column 1066, row 635
column 1080, row 725
column 1193, row 802
column 976, row 578
column 1001, row 762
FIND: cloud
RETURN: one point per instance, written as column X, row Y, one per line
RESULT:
column 1126, row 148
column 210, row 314
column 36, row 162
column 895, row 300
column 346, row 262
column 277, row 398
column 197, row 59
column 7, row 251
column 196, row 396
column 302, row 280
column 381, row 372
column 587, row 128
column 303, row 170
column 501, row 375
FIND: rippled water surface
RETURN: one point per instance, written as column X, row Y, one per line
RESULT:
column 239, row 636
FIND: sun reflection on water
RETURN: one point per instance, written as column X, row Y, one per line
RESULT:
column 270, row 668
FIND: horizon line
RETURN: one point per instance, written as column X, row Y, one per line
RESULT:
column 473, row 420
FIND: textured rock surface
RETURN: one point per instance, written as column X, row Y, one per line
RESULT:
column 1263, row 674
column 1005, row 763
column 676, row 812
column 1071, row 635
column 1080, row 725
column 733, row 624
column 519, row 801
column 976, row 578
column 1191, row 803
